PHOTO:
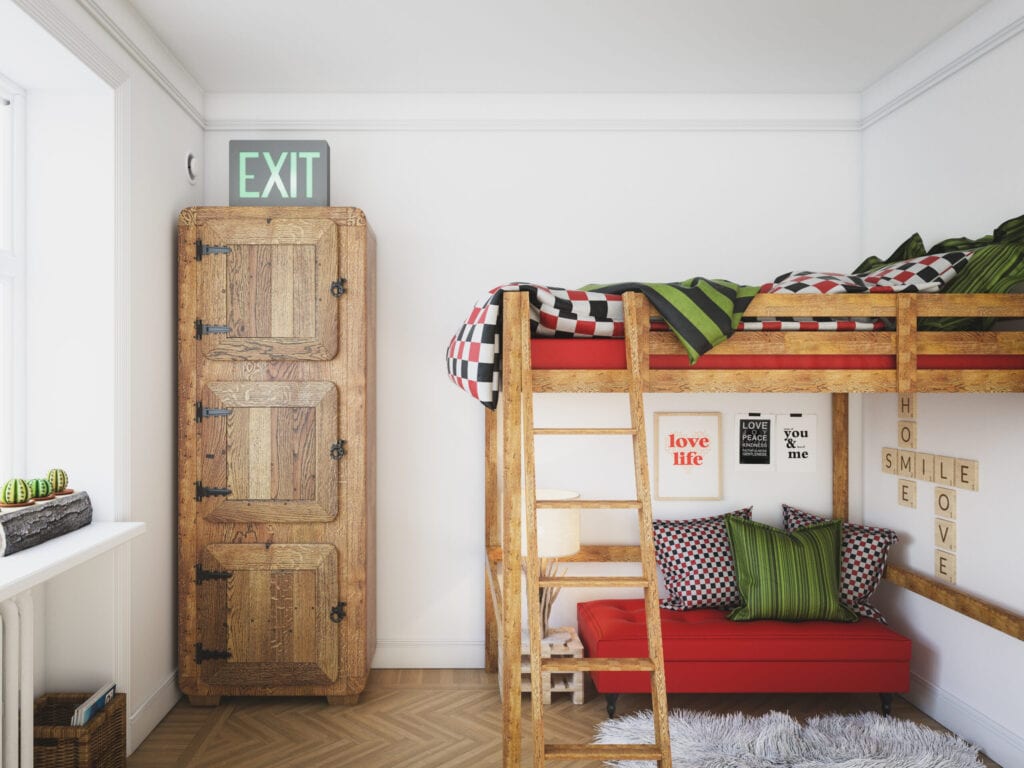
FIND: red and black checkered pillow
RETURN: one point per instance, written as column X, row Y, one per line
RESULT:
column 695, row 559
column 863, row 552
column 925, row 274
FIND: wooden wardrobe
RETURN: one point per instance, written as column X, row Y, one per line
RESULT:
column 276, row 458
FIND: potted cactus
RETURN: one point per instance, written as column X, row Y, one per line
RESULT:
column 39, row 489
column 15, row 493
column 59, row 482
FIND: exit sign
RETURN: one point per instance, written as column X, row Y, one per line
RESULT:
column 279, row 172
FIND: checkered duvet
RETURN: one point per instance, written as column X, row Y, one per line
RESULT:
column 702, row 313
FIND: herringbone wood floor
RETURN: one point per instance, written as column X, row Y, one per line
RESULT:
column 418, row 718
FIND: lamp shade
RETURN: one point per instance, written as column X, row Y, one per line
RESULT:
column 558, row 530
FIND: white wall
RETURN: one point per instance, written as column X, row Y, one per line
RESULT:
column 122, row 344
column 949, row 163
column 460, row 210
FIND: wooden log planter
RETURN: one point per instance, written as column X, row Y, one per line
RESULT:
column 24, row 527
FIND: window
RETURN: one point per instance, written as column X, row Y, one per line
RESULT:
column 12, row 369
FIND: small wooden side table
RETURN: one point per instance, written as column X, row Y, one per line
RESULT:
column 559, row 642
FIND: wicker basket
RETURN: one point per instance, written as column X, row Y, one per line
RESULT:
column 100, row 743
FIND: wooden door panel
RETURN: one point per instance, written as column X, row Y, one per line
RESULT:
column 272, row 290
column 272, row 450
column 270, row 612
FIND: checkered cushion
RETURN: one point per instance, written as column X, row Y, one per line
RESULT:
column 473, row 353
column 695, row 559
column 925, row 274
column 863, row 552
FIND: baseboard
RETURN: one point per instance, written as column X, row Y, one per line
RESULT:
column 146, row 717
column 996, row 741
column 420, row 654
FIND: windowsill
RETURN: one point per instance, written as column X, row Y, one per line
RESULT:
column 23, row 570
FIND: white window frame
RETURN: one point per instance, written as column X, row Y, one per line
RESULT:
column 12, row 291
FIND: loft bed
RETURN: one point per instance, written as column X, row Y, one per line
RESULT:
column 903, row 360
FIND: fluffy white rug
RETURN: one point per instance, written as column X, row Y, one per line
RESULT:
column 775, row 740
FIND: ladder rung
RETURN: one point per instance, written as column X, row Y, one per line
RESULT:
column 584, row 431
column 568, row 664
column 602, row 752
column 593, row 581
column 589, row 504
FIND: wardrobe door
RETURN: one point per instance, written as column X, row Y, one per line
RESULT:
column 268, row 289
column 270, row 451
column 268, row 614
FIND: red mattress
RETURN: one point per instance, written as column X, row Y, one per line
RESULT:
column 707, row 653
column 610, row 354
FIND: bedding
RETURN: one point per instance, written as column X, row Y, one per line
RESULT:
column 996, row 266
column 701, row 313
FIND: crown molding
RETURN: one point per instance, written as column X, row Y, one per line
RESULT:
column 138, row 40
column 72, row 37
column 978, row 35
column 233, row 112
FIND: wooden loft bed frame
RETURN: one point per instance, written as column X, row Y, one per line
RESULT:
column 504, row 429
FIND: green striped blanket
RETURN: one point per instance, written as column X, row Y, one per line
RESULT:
column 700, row 312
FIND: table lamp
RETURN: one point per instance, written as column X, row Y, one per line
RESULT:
column 558, row 535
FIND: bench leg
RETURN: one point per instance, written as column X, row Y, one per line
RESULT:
column 886, row 704
column 610, row 701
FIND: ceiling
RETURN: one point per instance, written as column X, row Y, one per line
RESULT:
column 547, row 46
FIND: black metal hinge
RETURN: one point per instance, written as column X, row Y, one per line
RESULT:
column 206, row 250
column 202, row 491
column 204, row 575
column 338, row 613
column 202, row 654
column 202, row 328
column 338, row 287
column 338, row 450
column 203, row 413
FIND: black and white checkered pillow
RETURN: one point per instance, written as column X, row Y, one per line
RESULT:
column 695, row 559
column 473, row 356
column 863, row 553
column 925, row 274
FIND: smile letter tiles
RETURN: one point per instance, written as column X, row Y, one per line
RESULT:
column 947, row 472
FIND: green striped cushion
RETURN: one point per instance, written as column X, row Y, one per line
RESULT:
column 788, row 576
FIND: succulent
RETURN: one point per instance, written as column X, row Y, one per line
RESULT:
column 39, row 488
column 58, row 479
column 15, row 491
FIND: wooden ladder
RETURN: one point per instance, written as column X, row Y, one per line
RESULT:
column 637, row 331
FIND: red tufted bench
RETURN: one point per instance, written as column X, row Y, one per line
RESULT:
column 707, row 653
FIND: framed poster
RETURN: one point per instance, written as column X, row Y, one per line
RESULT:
column 798, row 442
column 688, row 456
column 754, row 440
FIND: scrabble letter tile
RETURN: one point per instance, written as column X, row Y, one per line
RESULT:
column 965, row 474
column 907, row 405
column 945, row 534
column 906, row 493
column 924, row 467
column 906, row 434
column 945, row 503
column 906, row 463
column 945, row 470
column 945, row 566
column 889, row 461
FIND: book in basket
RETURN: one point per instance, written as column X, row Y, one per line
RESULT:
column 85, row 711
